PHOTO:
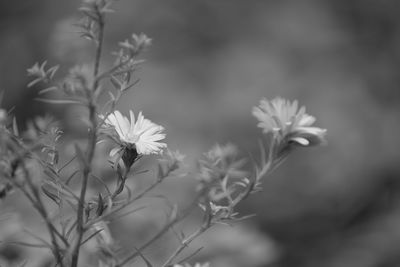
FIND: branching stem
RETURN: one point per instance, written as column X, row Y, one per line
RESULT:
column 90, row 149
column 185, row 243
column 161, row 232
column 38, row 204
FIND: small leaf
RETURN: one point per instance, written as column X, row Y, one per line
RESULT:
column 130, row 85
column 100, row 205
column 51, row 173
column 15, row 127
column 182, row 235
column 88, row 12
column 51, row 195
column 91, row 236
column 58, row 101
column 160, row 173
column 127, row 78
column 88, row 36
column 115, row 82
column 56, row 157
column 174, row 213
column 111, row 96
column 52, row 88
column 35, row 81
column 43, row 65
column 52, row 71
column 120, row 187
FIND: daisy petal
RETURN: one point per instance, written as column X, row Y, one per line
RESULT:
column 300, row 140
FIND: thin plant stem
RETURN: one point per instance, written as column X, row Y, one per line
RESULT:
column 99, row 50
column 124, row 205
column 27, row 153
column 185, row 243
column 90, row 150
column 160, row 233
column 208, row 221
column 39, row 206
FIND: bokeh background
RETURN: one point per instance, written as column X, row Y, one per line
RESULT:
column 210, row 63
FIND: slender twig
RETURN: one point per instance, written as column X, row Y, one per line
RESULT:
column 102, row 183
column 190, row 255
column 113, row 69
column 208, row 222
column 38, row 204
column 66, row 164
column 162, row 231
column 86, row 171
column 99, row 50
column 124, row 205
column 91, row 236
column 91, row 148
column 185, row 243
column 52, row 230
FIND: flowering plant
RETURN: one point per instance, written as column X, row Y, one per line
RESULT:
column 30, row 161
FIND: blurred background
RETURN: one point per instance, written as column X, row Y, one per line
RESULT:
column 213, row 60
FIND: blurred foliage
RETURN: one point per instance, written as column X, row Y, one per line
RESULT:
column 210, row 63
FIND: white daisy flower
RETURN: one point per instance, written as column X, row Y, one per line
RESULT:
column 289, row 123
column 142, row 134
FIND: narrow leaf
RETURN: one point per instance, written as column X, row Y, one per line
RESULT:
column 191, row 255
column 32, row 83
column 52, row 88
column 71, row 176
column 15, row 127
column 115, row 82
column 91, row 236
column 58, row 101
column 51, row 195
column 100, row 205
